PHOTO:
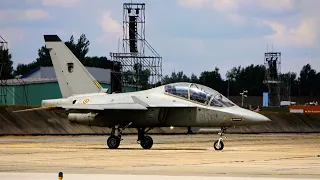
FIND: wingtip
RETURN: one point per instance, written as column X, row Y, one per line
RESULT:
column 51, row 38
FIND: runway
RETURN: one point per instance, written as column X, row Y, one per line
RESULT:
column 256, row 155
column 46, row 176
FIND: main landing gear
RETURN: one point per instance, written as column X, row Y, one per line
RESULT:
column 114, row 140
column 144, row 140
column 218, row 145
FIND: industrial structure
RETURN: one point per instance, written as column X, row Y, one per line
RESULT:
column 138, row 64
column 278, row 89
column 6, row 92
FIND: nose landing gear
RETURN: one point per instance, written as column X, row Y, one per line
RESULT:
column 218, row 144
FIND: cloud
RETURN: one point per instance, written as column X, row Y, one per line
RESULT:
column 112, row 28
column 193, row 3
column 237, row 11
column 276, row 5
column 273, row 14
column 12, row 35
column 60, row 3
column 36, row 14
column 22, row 15
column 234, row 5
column 110, row 25
column 237, row 18
column 305, row 34
column 228, row 5
column 56, row 3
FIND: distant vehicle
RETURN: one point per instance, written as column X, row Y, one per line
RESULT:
column 313, row 103
column 172, row 105
column 287, row 103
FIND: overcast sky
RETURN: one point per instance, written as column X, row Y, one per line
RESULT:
column 191, row 35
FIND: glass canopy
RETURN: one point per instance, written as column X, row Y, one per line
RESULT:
column 198, row 93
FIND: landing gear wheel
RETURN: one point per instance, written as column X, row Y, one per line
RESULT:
column 113, row 142
column 146, row 142
column 217, row 146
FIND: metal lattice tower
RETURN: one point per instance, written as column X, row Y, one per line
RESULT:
column 272, row 62
column 139, row 65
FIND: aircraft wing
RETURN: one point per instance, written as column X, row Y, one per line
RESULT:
column 135, row 105
column 174, row 105
column 101, row 107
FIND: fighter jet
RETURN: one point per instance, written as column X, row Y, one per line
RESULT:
column 172, row 105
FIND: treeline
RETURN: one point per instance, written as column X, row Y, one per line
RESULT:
column 80, row 49
column 238, row 78
column 252, row 78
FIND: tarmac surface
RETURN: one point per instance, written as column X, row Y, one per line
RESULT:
column 256, row 155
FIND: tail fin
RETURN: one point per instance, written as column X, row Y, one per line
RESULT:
column 73, row 77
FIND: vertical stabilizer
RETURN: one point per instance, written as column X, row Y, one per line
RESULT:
column 73, row 77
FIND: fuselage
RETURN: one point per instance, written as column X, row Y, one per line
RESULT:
column 183, row 106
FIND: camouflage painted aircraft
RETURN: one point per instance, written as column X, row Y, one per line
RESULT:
column 172, row 105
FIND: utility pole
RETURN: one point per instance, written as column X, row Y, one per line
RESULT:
column 244, row 95
column 228, row 87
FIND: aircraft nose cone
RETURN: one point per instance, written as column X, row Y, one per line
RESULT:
column 251, row 117
column 256, row 117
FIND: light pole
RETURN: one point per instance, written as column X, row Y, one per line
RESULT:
column 228, row 86
column 243, row 96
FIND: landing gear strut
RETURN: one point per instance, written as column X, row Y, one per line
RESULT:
column 218, row 145
column 113, row 141
column 145, row 141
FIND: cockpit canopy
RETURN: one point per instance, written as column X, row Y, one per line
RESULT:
column 198, row 93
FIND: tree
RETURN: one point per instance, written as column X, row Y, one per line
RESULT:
column 290, row 80
column 141, row 76
column 79, row 49
column 307, row 80
column 194, row 78
column 238, row 78
column 6, row 68
column 138, row 76
column 213, row 80
column 317, row 84
column 176, row 77
column 249, row 78
column 44, row 58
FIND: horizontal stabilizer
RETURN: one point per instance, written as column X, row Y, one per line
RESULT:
column 35, row 109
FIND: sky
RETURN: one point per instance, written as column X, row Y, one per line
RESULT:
column 191, row 35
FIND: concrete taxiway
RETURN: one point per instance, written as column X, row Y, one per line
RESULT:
column 255, row 155
column 48, row 176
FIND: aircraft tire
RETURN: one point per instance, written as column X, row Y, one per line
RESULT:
column 146, row 142
column 216, row 147
column 113, row 142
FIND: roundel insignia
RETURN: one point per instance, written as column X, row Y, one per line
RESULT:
column 85, row 101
